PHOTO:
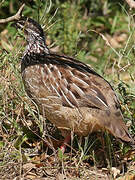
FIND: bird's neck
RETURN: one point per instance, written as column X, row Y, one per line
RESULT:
column 36, row 45
column 33, row 51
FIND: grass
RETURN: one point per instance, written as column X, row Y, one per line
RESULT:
column 95, row 36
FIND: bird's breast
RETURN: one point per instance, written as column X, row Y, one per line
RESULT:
column 37, row 85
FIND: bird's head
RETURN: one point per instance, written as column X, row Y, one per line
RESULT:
column 34, row 34
column 31, row 28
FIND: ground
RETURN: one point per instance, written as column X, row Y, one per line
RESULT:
column 100, row 34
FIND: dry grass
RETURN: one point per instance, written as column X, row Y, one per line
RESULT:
column 24, row 133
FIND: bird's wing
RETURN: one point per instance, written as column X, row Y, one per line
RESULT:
column 77, row 83
column 74, row 82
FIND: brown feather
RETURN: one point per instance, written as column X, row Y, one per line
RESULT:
column 68, row 92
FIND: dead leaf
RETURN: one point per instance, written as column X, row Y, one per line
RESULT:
column 113, row 42
column 61, row 177
column 127, row 177
column 115, row 172
column 129, row 155
column 28, row 166
column 55, row 49
column 121, row 38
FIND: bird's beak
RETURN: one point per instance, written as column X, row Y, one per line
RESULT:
column 17, row 25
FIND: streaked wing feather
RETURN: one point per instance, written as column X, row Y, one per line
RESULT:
column 75, row 92
column 73, row 80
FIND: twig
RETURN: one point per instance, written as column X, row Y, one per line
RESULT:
column 17, row 16
column 131, row 3
column 1, row 2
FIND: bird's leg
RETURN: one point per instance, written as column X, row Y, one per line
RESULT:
column 66, row 141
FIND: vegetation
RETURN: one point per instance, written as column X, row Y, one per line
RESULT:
column 99, row 33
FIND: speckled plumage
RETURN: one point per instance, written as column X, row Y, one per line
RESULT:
column 68, row 92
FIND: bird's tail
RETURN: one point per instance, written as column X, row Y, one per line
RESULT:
column 116, row 126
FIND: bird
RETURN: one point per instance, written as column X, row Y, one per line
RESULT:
column 68, row 92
